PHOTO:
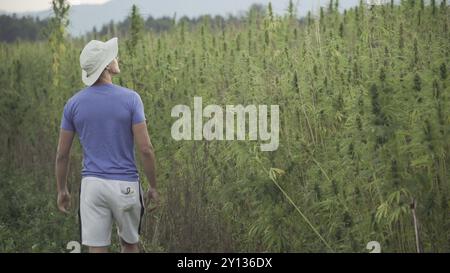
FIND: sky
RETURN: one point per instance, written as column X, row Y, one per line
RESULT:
column 37, row 5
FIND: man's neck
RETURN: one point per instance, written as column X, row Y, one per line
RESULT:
column 106, row 79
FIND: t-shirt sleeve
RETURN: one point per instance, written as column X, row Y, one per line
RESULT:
column 138, row 114
column 67, row 118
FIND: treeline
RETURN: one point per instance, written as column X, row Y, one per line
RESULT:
column 15, row 28
column 166, row 23
column 28, row 28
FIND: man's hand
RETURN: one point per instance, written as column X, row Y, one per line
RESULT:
column 64, row 201
column 152, row 196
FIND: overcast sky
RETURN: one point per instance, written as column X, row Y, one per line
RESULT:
column 35, row 5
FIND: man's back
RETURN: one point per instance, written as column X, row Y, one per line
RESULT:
column 102, row 116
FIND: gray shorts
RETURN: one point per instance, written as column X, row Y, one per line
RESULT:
column 103, row 201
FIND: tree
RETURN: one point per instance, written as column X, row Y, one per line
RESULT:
column 58, row 24
column 137, row 25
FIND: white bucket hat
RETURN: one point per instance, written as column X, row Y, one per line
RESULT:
column 94, row 58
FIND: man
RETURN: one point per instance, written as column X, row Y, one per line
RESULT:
column 108, row 119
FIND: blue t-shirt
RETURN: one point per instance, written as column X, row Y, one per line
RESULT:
column 102, row 116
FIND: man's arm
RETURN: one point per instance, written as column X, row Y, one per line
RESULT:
column 62, row 166
column 146, row 152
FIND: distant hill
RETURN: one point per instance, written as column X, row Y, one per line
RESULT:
column 84, row 17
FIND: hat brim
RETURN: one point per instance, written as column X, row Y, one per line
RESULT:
column 113, row 49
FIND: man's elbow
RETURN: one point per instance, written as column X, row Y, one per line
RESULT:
column 62, row 157
column 147, row 152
